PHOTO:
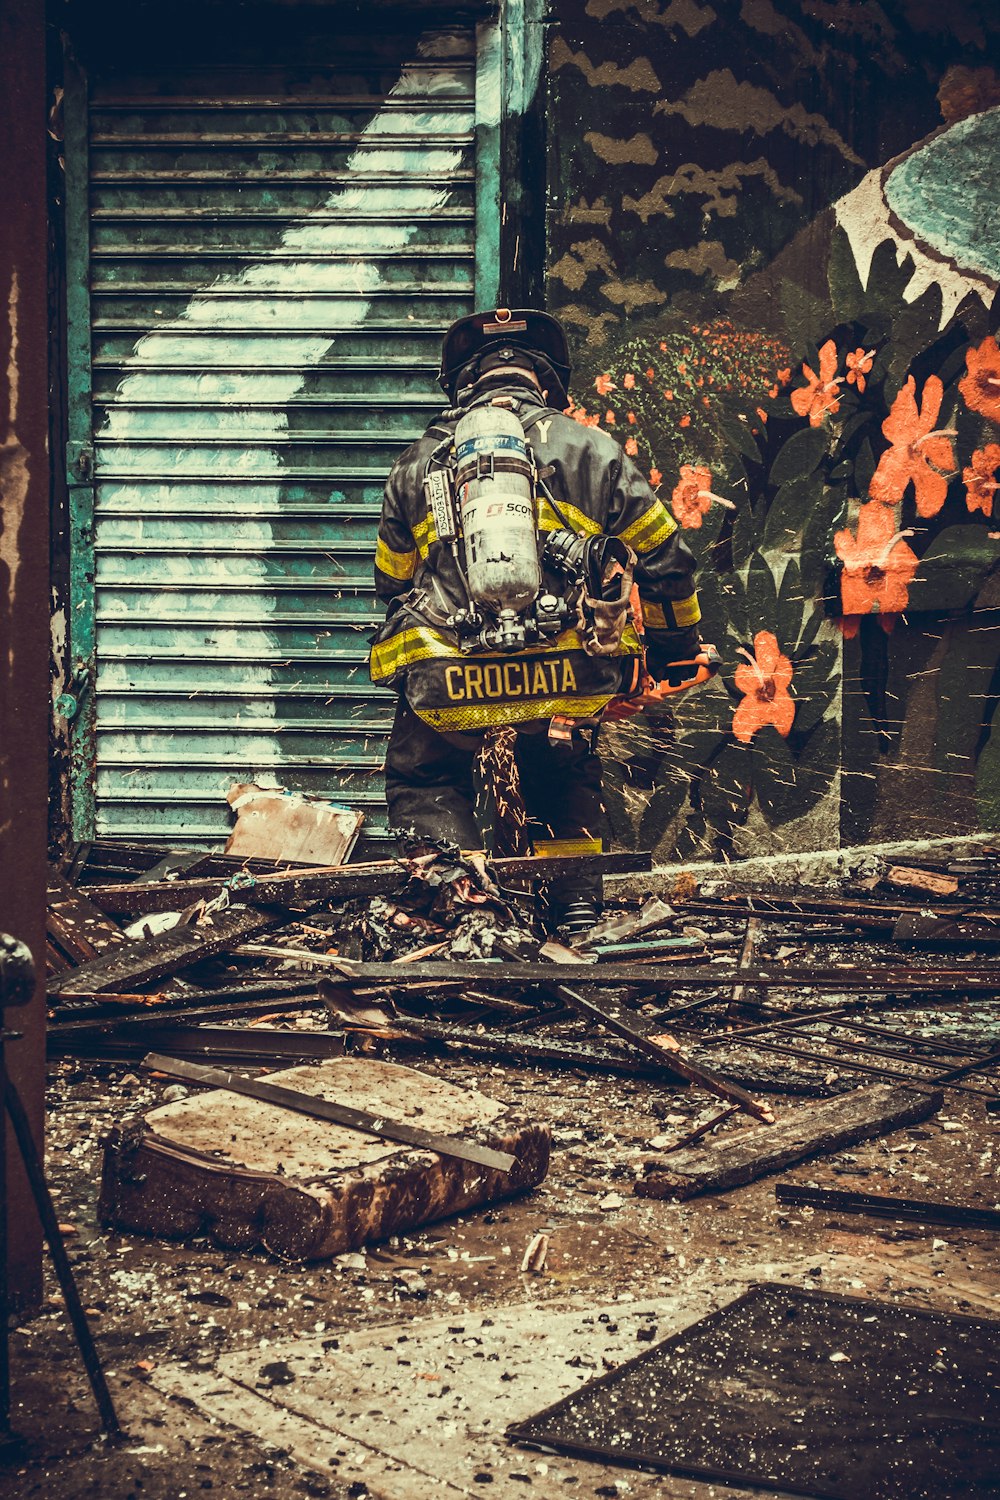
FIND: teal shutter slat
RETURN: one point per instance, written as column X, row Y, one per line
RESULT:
column 270, row 276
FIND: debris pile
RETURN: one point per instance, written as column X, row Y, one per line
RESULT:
column 347, row 1053
column 736, row 993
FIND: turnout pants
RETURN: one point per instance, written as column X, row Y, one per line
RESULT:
column 429, row 788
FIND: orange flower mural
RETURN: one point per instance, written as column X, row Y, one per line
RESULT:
column 980, row 386
column 859, row 367
column 603, row 385
column 632, row 447
column 921, row 454
column 764, row 680
column 821, row 393
column 980, row 478
column 692, row 497
column 878, row 565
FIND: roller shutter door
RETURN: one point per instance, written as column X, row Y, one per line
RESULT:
column 274, row 252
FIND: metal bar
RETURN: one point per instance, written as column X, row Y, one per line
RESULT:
column 647, row 1036
column 657, row 974
column 826, row 1059
column 327, row 1109
column 516, row 1046
column 802, row 908
column 700, row 1130
column 60, row 1260
column 785, row 1023
column 79, row 453
column 921, row 1061
column 914, row 1210
column 65, row 1035
column 950, row 1049
column 256, row 1044
column 991, row 1061
column 96, row 1005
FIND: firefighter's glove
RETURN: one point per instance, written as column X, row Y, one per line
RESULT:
column 663, row 648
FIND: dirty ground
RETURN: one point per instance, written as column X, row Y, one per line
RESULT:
column 393, row 1370
column 208, row 1351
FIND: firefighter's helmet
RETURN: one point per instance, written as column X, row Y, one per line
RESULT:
column 487, row 340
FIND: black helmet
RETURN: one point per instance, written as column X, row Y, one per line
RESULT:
column 537, row 334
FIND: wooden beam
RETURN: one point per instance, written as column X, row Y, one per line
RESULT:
column 78, row 927
column 337, row 883
column 167, row 953
column 818, row 1129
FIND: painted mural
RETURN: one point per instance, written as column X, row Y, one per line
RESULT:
column 776, row 251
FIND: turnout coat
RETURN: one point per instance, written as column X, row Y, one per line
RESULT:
column 598, row 491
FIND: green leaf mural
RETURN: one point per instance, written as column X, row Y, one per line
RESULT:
column 825, row 428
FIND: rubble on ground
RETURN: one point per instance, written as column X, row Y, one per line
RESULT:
column 655, row 1051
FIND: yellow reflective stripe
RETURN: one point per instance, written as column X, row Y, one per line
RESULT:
column 555, row 848
column 419, row 643
column 657, row 538
column 549, row 521
column 654, row 526
column 390, row 657
column 683, row 612
column 686, row 611
column 425, row 534
column 652, row 614
column 488, row 716
column 630, row 642
column 400, row 565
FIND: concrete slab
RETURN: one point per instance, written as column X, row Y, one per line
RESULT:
column 418, row 1410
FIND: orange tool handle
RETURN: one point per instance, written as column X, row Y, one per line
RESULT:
column 648, row 695
column 682, row 675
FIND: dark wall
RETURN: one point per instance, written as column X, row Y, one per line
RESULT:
column 24, row 594
column 771, row 233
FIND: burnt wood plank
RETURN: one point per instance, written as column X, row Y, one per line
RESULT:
column 861, row 979
column 813, row 1130
column 80, row 929
column 339, row 882
column 168, row 953
column 930, row 931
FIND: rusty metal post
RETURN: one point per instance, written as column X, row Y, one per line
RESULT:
column 24, row 576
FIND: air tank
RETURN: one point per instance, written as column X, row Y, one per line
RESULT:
column 496, row 499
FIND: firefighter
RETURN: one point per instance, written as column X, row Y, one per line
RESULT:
column 509, row 539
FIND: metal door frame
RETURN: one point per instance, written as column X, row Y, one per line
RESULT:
column 508, row 66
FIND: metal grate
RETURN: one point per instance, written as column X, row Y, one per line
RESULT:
column 803, row 1392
